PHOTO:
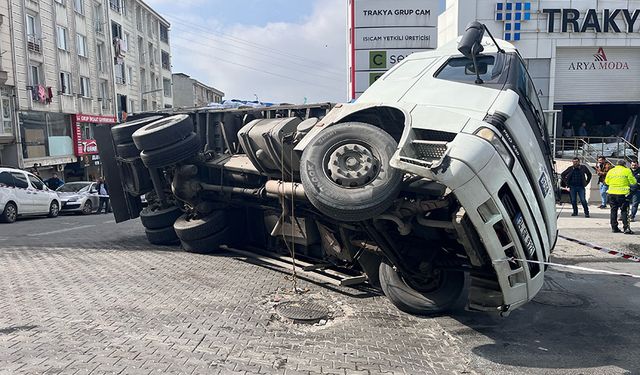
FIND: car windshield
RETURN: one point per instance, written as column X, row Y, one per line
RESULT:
column 462, row 69
column 74, row 187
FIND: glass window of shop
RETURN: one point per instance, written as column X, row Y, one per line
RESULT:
column 45, row 134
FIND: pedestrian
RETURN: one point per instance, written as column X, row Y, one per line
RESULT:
column 567, row 130
column 620, row 179
column 103, row 194
column 54, row 182
column 576, row 177
column 602, row 167
column 635, row 190
column 582, row 130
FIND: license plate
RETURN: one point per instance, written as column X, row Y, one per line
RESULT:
column 524, row 235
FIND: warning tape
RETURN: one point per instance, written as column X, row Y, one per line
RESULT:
column 513, row 260
column 602, row 249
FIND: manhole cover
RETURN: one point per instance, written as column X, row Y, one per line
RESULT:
column 558, row 299
column 302, row 311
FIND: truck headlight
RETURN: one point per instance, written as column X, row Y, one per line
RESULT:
column 497, row 143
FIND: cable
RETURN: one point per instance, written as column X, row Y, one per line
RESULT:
column 256, row 69
column 310, row 63
column 265, row 61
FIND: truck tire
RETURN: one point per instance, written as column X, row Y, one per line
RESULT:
column 136, row 179
column 163, row 132
column 189, row 229
column 159, row 219
column 206, row 245
column 162, row 236
column 346, row 174
column 127, row 150
column 172, row 154
column 443, row 296
column 122, row 133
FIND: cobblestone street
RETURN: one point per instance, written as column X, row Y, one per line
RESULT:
column 81, row 294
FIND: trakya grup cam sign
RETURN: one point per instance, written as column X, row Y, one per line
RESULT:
column 382, row 33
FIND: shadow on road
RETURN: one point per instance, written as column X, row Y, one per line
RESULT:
column 577, row 321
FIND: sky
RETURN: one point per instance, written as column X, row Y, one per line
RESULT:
column 280, row 51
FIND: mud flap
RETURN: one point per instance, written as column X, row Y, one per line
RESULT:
column 124, row 205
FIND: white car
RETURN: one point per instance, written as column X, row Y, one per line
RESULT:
column 24, row 194
column 79, row 197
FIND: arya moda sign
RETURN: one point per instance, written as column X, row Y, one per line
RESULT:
column 601, row 62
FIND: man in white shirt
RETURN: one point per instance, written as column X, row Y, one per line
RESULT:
column 103, row 194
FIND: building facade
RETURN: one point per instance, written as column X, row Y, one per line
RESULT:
column 9, row 148
column 583, row 56
column 142, row 57
column 190, row 92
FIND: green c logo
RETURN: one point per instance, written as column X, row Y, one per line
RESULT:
column 377, row 59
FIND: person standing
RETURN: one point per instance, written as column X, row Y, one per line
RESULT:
column 582, row 130
column 620, row 179
column 602, row 167
column 635, row 190
column 567, row 130
column 103, row 194
column 576, row 177
column 54, row 182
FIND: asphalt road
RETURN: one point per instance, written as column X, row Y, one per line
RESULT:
column 81, row 294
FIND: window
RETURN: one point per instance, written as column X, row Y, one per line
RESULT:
column 6, row 179
column 116, row 30
column 119, row 71
column 164, row 33
column 130, row 75
column 61, row 2
column 144, row 105
column 85, row 87
column 34, row 74
column 103, row 94
column 152, row 79
column 33, row 33
column 123, row 6
column 115, row 5
column 166, row 86
column 143, row 79
column 82, row 45
column 62, row 38
column 125, row 39
column 36, row 183
column 139, row 18
column 101, row 57
column 462, row 69
column 65, row 83
column 166, row 60
column 99, row 18
column 78, row 5
column 20, row 180
column 151, row 54
column 131, row 106
column 141, row 51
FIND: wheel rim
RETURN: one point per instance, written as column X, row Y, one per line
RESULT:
column 351, row 165
column 87, row 207
column 10, row 212
column 54, row 209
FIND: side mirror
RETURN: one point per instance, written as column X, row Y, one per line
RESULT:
column 93, row 191
column 471, row 42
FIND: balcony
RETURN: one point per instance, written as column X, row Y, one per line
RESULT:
column 33, row 44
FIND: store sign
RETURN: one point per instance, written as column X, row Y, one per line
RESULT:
column 600, row 62
column 82, row 145
column 382, row 33
column 94, row 119
column 572, row 20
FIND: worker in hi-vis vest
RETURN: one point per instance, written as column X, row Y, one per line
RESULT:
column 619, row 179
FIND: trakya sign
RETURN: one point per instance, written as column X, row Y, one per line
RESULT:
column 572, row 20
column 385, row 13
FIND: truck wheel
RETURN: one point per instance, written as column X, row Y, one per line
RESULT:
column 127, row 150
column 122, row 132
column 346, row 174
column 439, row 296
column 189, row 229
column 159, row 219
column 172, row 154
column 206, row 245
column 163, row 236
column 163, row 132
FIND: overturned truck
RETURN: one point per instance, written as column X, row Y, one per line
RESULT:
column 437, row 181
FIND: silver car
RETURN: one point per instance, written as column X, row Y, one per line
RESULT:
column 79, row 197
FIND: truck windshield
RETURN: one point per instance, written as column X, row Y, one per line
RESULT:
column 462, row 69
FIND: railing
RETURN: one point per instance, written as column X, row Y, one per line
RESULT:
column 589, row 148
column 33, row 43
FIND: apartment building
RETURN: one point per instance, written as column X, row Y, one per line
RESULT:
column 189, row 92
column 8, row 144
column 142, row 57
column 62, row 82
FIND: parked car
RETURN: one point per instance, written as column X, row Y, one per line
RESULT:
column 79, row 197
column 24, row 194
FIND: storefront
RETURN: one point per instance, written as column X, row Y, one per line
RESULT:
column 583, row 56
column 88, row 165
